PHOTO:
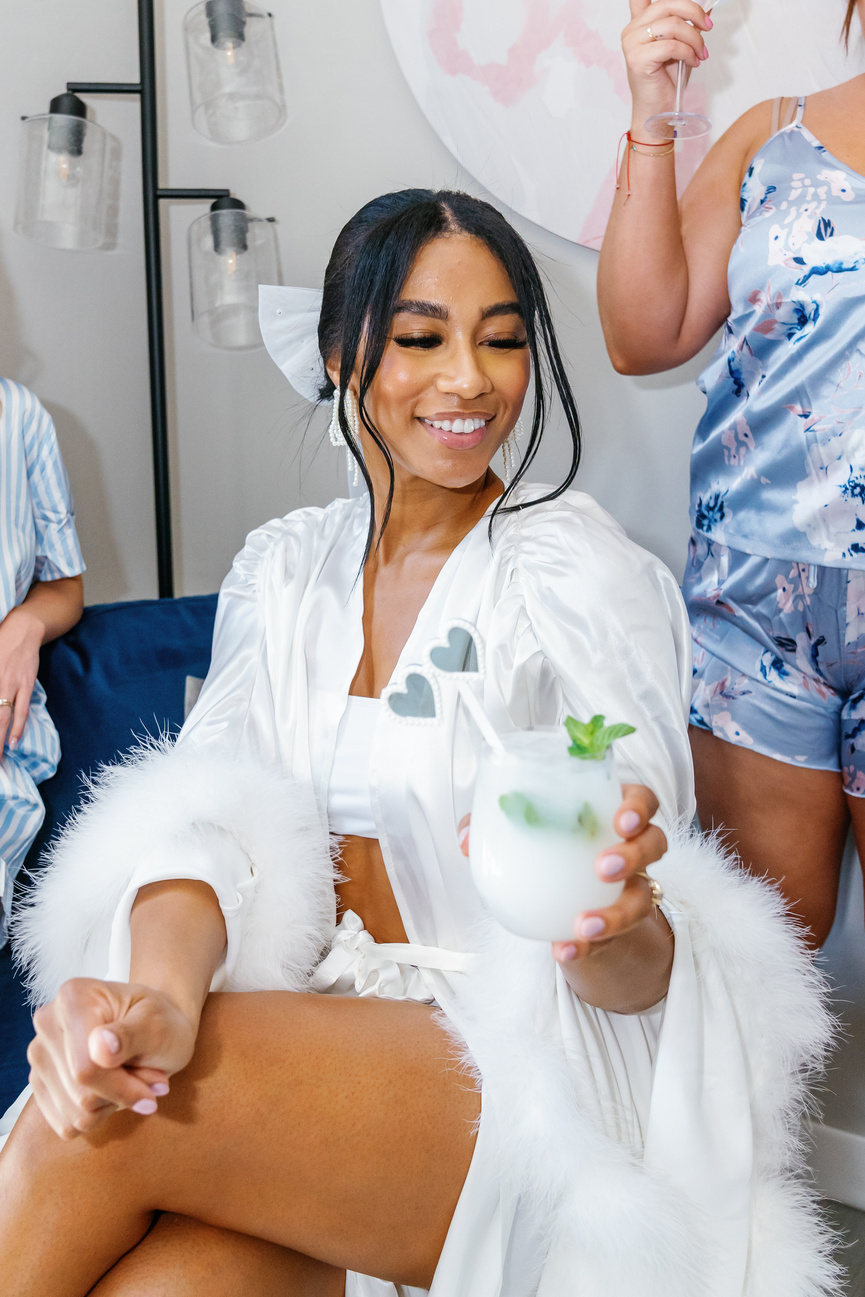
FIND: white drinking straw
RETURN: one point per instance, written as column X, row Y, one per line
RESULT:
column 480, row 717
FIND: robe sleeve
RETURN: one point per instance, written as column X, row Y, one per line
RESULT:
column 591, row 623
column 216, row 807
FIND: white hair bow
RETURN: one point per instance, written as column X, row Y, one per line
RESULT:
column 288, row 319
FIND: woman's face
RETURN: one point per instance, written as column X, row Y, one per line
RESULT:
column 456, row 352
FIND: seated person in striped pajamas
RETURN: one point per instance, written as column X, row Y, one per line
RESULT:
column 40, row 598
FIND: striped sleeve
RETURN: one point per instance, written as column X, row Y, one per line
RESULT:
column 58, row 553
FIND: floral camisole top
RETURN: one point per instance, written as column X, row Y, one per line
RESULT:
column 778, row 467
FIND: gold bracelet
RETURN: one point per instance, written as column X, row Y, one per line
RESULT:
column 671, row 149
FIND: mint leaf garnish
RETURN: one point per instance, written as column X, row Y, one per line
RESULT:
column 523, row 812
column 517, row 807
column 590, row 740
column 587, row 820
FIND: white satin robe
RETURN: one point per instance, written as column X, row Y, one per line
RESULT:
column 576, row 620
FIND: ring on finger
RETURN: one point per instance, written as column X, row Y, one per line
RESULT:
column 654, row 886
column 652, row 36
column 7, row 702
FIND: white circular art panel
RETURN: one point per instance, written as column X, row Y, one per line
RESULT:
column 531, row 95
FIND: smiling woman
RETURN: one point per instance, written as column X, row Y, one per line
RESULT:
column 384, row 254
column 399, row 1095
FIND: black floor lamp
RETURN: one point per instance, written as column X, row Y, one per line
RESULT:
column 50, row 212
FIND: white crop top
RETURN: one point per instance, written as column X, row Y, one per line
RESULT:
column 349, row 810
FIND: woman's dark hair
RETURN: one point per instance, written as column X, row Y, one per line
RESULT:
column 371, row 260
column 848, row 22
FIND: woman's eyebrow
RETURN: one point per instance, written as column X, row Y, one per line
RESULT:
column 437, row 311
column 501, row 308
column 432, row 310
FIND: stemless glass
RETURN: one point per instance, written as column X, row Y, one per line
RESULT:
column 679, row 125
column 539, row 819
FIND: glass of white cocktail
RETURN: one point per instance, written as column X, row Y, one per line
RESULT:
column 543, row 810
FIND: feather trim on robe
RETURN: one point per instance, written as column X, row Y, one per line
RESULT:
column 252, row 833
column 620, row 1226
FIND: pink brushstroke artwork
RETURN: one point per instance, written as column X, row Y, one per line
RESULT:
column 509, row 82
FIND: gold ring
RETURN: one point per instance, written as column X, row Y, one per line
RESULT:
column 7, row 702
column 652, row 36
column 655, row 887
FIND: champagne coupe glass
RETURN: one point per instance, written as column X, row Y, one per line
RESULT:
column 679, row 125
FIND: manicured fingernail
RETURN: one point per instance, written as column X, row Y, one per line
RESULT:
column 593, row 926
column 628, row 821
column 566, row 954
column 110, row 1041
column 145, row 1107
column 609, row 866
column 13, row 743
column 160, row 1089
column 709, row 23
column 704, row 55
column 463, row 836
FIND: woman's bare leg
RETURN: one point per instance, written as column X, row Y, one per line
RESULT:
column 785, row 822
column 339, row 1128
column 183, row 1258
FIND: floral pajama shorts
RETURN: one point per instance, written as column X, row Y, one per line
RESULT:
column 779, row 657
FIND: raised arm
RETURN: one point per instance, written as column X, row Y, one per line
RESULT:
column 662, row 279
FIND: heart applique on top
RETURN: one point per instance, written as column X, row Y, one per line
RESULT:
column 459, row 654
column 415, row 699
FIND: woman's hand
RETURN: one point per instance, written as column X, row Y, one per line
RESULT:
column 49, row 609
column 677, row 26
column 101, row 1046
column 621, row 956
column 21, row 635
column 644, row 843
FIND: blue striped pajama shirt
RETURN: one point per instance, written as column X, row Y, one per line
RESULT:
column 37, row 543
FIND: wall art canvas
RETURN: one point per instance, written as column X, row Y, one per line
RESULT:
column 531, row 96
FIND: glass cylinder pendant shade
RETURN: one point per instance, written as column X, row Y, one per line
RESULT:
column 61, row 178
column 234, row 78
column 231, row 252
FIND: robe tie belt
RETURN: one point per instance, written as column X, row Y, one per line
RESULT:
column 357, row 965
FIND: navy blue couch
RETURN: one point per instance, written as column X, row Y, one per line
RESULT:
column 118, row 676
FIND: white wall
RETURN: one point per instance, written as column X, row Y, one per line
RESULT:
column 72, row 325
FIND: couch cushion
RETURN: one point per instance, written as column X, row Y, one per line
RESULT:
column 116, row 677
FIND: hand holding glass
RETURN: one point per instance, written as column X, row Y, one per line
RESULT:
column 539, row 821
column 679, row 125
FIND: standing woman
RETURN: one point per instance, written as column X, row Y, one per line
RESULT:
column 40, row 598
column 767, row 241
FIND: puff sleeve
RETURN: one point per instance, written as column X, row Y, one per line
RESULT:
column 589, row 622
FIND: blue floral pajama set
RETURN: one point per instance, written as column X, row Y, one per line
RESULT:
column 37, row 543
column 775, row 581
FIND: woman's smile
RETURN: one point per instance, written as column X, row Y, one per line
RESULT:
column 462, row 431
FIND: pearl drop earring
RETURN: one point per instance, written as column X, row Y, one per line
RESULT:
column 334, row 430
column 508, row 445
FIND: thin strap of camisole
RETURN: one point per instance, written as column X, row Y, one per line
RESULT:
column 793, row 111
